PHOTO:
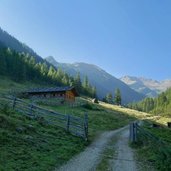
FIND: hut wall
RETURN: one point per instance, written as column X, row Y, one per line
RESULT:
column 70, row 96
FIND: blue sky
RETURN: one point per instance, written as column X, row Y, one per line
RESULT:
column 124, row 37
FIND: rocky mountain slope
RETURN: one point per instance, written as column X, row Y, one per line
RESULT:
column 148, row 87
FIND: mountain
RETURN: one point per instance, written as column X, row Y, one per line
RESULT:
column 20, row 63
column 148, row 87
column 9, row 41
column 104, row 82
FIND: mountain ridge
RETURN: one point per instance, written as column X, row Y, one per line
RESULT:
column 146, row 86
column 103, row 81
column 8, row 40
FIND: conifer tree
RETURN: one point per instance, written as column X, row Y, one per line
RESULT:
column 77, row 83
column 117, row 98
column 109, row 97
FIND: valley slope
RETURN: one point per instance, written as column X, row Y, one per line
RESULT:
column 6, row 40
column 103, row 81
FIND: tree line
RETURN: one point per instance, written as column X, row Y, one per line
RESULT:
column 22, row 67
column 158, row 105
column 117, row 99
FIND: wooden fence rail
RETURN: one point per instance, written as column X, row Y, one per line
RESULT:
column 53, row 101
column 136, row 131
column 162, row 149
column 75, row 125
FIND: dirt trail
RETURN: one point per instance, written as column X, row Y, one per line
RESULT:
column 91, row 157
column 124, row 160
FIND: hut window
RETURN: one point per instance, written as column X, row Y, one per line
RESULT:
column 54, row 95
column 44, row 95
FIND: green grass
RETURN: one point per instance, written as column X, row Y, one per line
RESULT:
column 108, row 155
column 154, row 151
column 42, row 147
column 162, row 132
column 34, row 146
column 100, row 118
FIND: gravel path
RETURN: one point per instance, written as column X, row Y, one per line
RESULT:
column 124, row 159
column 89, row 159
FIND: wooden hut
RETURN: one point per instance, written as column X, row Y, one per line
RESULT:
column 65, row 93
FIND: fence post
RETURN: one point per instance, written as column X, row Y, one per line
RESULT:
column 68, row 123
column 14, row 103
column 131, row 132
column 86, row 126
column 135, row 132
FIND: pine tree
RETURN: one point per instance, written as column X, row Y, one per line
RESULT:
column 109, row 98
column 85, row 83
column 94, row 95
column 3, row 64
column 44, row 69
column 77, row 83
column 117, row 98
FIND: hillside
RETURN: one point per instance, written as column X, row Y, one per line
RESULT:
column 148, row 87
column 42, row 147
column 96, row 75
column 22, row 67
column 27, row 144
column 159, row 105
column 21, row 63
column 9, row 41
column 103, row 81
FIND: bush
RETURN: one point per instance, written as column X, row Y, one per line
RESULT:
column 5, row 109
column 88, row 106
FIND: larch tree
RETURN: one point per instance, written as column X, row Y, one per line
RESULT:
column 117, row 97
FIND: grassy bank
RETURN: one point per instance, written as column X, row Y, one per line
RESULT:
column 101, row 118
column 28, row 145
column 155, row 150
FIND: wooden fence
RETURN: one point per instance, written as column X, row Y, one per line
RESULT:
column 75, row 125
column 161, row 148
column 133, row 132
column 53, row 101
column 136, row 131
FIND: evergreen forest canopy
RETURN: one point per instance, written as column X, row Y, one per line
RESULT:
column 160, row 105
column 22, row 67
column 6, row 40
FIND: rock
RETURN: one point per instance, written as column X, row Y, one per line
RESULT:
column 95, row 100
column 28, row 137
column 20, row 129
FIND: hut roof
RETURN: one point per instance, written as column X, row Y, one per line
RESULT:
column 52, row 90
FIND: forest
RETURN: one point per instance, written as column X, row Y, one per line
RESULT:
column 22, row 67
column 160, row 105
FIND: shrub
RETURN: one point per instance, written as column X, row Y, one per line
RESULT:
column 88, row 106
